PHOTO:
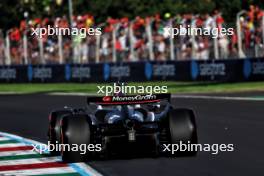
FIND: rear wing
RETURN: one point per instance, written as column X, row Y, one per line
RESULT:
column 128, row 99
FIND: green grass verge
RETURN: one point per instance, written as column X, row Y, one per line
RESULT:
column 173, row 87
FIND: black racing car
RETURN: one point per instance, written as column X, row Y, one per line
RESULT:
column 122, row 125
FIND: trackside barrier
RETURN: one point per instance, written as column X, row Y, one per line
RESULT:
column 231, row 70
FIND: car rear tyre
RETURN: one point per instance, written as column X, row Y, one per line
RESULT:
column 54, row 128
column 75, row 130
column 182, row 127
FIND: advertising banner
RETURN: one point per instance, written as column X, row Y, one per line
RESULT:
column 231, row 70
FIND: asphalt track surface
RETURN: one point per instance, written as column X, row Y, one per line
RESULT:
column 237, row 122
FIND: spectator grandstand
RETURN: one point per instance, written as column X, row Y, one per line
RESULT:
column 133, row 40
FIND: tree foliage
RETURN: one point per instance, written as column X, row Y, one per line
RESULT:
column 12, row 11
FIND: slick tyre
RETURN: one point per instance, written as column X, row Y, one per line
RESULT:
column 182, row 128
column 75, row 129
column 54, row 128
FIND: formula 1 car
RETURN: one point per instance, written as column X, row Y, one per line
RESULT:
column 122, row 125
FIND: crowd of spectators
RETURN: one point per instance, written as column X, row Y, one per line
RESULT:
column 132, row 40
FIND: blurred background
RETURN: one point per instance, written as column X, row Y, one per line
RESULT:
column 132, row 30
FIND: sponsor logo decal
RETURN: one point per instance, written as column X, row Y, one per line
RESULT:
column 159, row 70
column 134, row 98
column 8, row 73
column 207, row 69
column 42, row 73
column 77, row 72
column 253, row 68
column 115, row 71
column 258, row 68
column 120, row 71
column 164, row 70
column 212, row 69
column 107, row 98
column 81, row 72
column 39, row 73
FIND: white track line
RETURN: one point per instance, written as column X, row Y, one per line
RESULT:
column 30, row 161
column 20, row 139
column 4, row 139
column 12, row 145
column 15, row 153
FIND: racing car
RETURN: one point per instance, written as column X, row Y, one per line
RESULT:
column 122, row 125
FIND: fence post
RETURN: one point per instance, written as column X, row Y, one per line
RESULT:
column 98, row 41
column 114, row 44
column 150, row 40
column 263, row 29
column 131, row 35
column 2, row 57
column 7, row 49
column 61, row 61
column 193, row 40
column 25, row 48
column 239, row 35
column 216, row 49
column 172, row 55
column 256, row 51
column 73, row 49
column 41, row 50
